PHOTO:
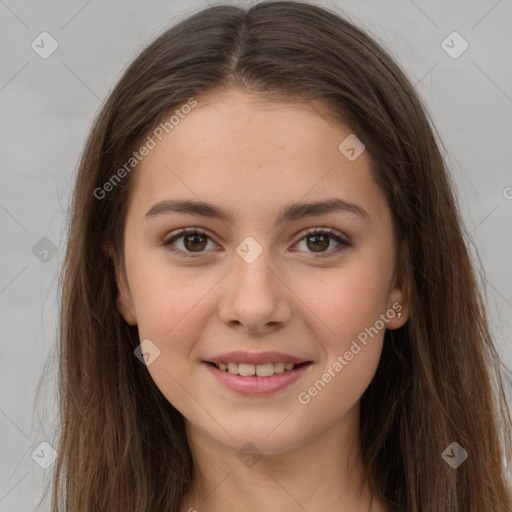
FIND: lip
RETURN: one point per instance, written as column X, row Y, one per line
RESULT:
column 240, row 356
column 255, row 385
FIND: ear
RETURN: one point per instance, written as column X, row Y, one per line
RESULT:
column 399, row 295
column 124, row 297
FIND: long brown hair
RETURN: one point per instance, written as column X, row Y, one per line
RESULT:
column 122, row 445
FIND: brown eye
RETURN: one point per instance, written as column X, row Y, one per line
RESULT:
column 192, row 240
column 319, row 241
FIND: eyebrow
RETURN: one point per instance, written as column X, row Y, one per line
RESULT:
column 288, row 213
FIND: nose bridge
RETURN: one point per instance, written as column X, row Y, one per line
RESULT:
column 252, row 267
column 254, row 295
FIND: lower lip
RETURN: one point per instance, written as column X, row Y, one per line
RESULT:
column 254, row 385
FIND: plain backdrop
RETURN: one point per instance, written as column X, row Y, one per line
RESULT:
column 47, row 107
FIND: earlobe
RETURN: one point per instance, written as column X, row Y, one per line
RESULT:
column 125, row 309
column 397, row 313
column 398, row 303
column 124, row 300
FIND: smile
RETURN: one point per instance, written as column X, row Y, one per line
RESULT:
column 261, row 370
column 257, row 379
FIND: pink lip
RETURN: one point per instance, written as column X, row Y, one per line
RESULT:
column 256, row 358
column 255, row 385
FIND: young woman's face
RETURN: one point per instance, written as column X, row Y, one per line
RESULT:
column 256, row 278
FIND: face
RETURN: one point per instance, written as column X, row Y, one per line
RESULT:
column 255, row 273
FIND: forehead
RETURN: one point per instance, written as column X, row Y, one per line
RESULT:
column 238, row 148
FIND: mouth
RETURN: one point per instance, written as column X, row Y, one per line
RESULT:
column 257, row 370
column 257, row 379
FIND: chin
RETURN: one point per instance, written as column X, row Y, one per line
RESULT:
column 269, row 438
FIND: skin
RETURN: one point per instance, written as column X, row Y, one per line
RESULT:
column 252, row 157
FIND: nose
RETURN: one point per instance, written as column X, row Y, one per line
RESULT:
column 255, row 296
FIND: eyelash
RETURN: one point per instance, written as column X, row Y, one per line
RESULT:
column 198, row 231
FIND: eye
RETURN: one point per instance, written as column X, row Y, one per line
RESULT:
column 195, row 240
column 319, row 239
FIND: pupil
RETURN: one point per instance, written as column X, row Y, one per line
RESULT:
column 194, row 243
column 321, row 237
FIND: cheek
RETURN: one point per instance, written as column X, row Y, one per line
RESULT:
column 345, row 309
column 351, row 304
column 351, row 356
column 344, row 301
column 172, row 307
column 337, row 388
column 168, row 299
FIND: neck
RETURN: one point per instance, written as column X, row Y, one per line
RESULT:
column 324, row 473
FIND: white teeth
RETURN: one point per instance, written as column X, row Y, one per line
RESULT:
column 278, row 367
column 246, row 369
column 261, row 370
column 265, row 370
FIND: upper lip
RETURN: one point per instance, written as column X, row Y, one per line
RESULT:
column 256, row 358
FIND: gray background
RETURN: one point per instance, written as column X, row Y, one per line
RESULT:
column 47, row 107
